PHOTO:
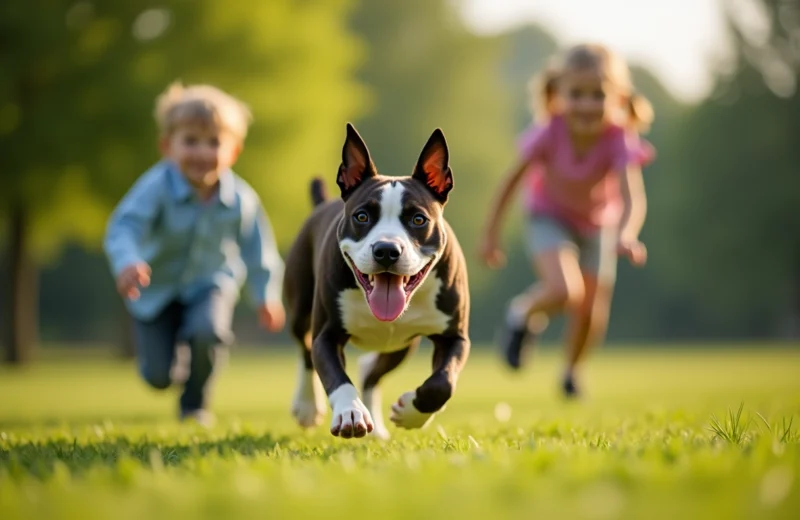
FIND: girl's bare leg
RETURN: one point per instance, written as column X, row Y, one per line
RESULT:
column 560, row 287
column 587, row 326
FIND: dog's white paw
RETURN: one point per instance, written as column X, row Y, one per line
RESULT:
column 405, row 415
column 308, row 404
column 350, row 417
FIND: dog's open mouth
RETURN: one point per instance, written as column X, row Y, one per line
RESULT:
column 388, row 293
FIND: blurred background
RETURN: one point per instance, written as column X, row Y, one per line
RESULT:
column 78, row 81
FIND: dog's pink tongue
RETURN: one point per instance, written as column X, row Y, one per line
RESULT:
column 387, row 299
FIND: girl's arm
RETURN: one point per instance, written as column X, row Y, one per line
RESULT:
column 507, row 188
column 635, row 204
column 533, row 146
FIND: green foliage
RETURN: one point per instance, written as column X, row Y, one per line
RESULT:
column 732, row 430
column 783, row 432
column 505, row 447
column 298, row 81
column 428, row 71
column 79, row 81
column 527, row 51
column 734, row 196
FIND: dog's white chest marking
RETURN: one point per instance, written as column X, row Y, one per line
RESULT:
column 422, row 318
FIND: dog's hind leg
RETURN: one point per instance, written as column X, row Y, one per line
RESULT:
column 372, row 368
column 309, row 403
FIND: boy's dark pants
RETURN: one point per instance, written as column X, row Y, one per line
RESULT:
column 205, row 325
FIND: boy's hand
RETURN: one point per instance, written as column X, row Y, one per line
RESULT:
column 272, row 316
column 131, row 278
column 633, row 249
column 491, row 253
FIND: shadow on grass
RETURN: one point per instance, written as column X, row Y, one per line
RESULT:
column 39, row 459
column 120, row 420
column 76, row 421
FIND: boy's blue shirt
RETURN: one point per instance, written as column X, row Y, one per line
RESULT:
column 193, row 246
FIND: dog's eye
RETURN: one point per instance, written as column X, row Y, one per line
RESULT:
column 419, row 220
column 362, row 217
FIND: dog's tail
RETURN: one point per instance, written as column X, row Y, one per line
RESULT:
column 318, row 192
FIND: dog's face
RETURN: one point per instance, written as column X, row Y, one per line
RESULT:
column 392, row 232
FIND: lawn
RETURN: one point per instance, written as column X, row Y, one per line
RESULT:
column 660, row 435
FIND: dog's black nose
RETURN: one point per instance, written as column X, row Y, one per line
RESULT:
column 386, row 253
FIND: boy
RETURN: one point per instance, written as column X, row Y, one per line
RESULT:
column 184, row 239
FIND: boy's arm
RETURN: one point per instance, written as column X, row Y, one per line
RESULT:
column 635, row 203
column 130, row 220
column 260, row 254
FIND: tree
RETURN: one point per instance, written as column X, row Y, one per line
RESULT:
column 733, row 228
column 426, row 71
column 77, row 89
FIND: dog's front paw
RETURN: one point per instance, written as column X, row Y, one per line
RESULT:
column 405, row 415
column 352, row 421
column 350, row 417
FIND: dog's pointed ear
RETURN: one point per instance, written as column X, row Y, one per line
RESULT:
column 433, row 166
column 356, row 164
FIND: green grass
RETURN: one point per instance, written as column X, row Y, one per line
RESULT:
column 664, row 434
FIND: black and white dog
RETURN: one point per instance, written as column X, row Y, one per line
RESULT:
column 378, row 268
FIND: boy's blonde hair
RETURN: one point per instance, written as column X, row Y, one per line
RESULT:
column 610, row 65
column 204, row 104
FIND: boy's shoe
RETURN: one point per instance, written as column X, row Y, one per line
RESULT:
column 202, row 417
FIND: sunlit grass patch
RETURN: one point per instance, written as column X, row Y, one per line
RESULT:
column 659, row 436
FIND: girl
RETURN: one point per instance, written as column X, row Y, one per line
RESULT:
column 585, row 200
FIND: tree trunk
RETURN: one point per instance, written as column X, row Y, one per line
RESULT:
column 22, row 319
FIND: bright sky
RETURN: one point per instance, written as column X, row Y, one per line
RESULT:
column 676, row 39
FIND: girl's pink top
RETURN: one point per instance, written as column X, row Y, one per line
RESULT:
column 582, row 191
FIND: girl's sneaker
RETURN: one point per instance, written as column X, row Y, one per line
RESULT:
column 570, row 388
column 514, row 335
